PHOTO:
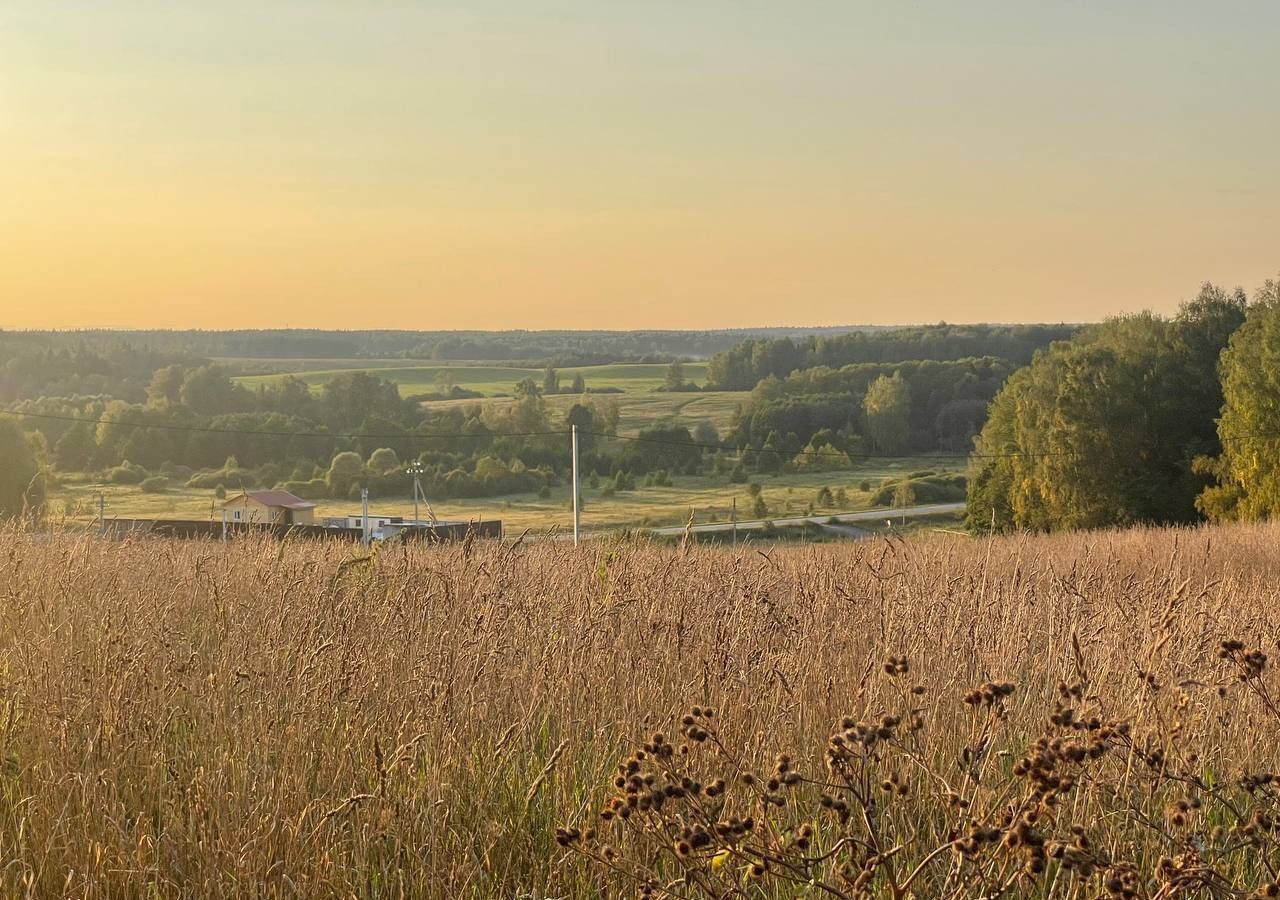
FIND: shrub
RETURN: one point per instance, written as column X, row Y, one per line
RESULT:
column 176, row 472
column 384, row 460
column 315, row 489
column 236, row 478
column 928, row 489
column 156, row 484
column 126, row 473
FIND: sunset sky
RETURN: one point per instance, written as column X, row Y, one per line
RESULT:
column 591, row 163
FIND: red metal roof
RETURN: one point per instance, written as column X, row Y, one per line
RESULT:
column 274, row 498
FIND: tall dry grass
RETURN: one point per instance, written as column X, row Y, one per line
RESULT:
column 296, row 720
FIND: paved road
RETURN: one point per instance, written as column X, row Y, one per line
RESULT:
column 866, row 515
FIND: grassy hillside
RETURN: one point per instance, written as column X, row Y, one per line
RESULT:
column 1050, row 717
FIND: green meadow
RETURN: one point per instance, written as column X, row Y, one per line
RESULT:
column 487, row 379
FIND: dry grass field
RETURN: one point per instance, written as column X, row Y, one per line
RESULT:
column 302, row 720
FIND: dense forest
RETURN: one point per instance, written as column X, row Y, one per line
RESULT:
column 1140, row 419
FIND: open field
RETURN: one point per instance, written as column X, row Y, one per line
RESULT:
column 710, row 497
column 643, row 410
column 490, row 380
column 299, row 720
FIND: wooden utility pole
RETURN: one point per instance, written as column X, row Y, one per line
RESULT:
column 576, row 517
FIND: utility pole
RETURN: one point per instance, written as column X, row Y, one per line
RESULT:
column 417, row 470
column 733, row 517
column 576, row 517
column 364, row 512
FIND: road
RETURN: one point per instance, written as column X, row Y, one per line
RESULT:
column 851, row 518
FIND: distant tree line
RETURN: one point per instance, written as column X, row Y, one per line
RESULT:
column 751, row 361
column 559, row 348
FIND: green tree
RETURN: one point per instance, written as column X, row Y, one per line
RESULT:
column 352, row 397
column 668, row 447
column 526, row 388
column 550, row 381
column 209, row 391
column 1248, row 468
column 904, row 495
column 345, row 470
column 582, row 416
column 674, row 380
column 578, row 385
column 445, row 381
column 292, row 396
column 21, row 487
column 74, row 450
column 706, row 434
column 605, row 414
column 1100, row 430
column 384, row 460
column 759, row 509
column 887, row 406
column 165, row 388
column 770, row 457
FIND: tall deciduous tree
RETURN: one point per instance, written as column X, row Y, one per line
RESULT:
column 1248, row 468
column 352, row 397
column 887, row 406
column 74, row 450
column 20, row 486
column 345, row 469
column 1103, row 429
column 674, row 379
column 209, row 391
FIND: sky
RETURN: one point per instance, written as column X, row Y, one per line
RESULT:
column 648, row 164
